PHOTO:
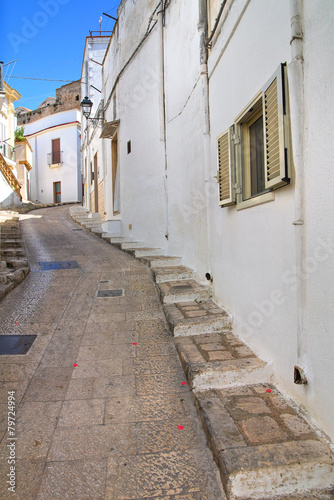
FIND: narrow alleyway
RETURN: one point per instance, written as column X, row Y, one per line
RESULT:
column 102, row 409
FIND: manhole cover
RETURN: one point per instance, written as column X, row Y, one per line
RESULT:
column 52, row 266
column 16, row 344
column 77, row 229
column 110, row 293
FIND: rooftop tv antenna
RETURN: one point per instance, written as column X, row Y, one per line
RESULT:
column 100, row 21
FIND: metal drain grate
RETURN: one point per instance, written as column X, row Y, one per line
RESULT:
column 77, row 229
column 54, row 265
column 15, row 344
column 110, row 293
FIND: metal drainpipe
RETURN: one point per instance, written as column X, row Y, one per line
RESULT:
column 296, row 84
column 163, row 134
column 202, row 27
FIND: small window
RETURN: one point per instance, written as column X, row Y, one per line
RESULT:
column 253, row 153
column 129, row 147
column 77, row 97
column 91, row 173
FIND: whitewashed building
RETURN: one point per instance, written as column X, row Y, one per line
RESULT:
column 93, row 163
column 238, row 92
column 53, row 131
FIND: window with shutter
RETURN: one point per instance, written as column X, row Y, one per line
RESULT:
column 259, row 145
column 276, row 158
column 225, row 173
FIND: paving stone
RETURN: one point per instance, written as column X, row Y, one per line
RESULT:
column 101, row 387
column 144, row 408
column 174, row 473
column 82, row 412
column 76, row 479
column 28, row 476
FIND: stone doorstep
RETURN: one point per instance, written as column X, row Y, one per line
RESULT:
column 160, row 260
column 262, row 445
column 183, row 291
column 173, row 273
column 191, row 318
column 219, row 360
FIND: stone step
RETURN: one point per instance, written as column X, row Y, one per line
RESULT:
column 172, row 273
column 193, row 318
column 263, row 446
column 142, row 252
column 17, row 262
column 115, row 240
column 97, row 230
column 131, row 244
column 160, row 260
column 91, row 225
column 11, row 243
column 12, row 252
column 218, row 360
column 182, row 291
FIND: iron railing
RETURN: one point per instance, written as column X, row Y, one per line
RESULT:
column 55, row 158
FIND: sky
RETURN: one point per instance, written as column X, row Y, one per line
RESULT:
column 47, row 38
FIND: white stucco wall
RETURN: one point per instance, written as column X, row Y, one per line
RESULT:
column 138, row 106
column 185, row 122
column 317, row 263
column 66, row 126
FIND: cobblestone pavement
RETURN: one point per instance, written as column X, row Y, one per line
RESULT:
column 102, row 410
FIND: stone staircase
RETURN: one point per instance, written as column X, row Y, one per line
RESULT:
column 263, row 444
column 13, row 262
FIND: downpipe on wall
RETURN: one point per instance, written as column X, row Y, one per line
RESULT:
column 202, row 27
column 163, row 134
column 296, row 85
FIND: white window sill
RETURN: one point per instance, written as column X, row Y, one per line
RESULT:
column 258, row 200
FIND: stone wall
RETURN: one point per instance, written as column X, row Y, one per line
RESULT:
column 67, row 97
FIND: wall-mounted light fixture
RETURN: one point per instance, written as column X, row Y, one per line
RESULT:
column 86, row 106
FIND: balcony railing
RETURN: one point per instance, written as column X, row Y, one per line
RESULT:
column 9, row 176
column 7, row 151
column 55, row 158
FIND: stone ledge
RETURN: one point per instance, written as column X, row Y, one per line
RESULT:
column 263, row 449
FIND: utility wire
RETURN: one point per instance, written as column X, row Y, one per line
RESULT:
column 41, row 79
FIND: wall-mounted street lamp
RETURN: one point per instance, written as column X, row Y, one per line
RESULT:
column 86, row 106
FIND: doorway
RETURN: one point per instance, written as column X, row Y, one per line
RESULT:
column 115, row 175
column 56, row 192
column 96, row 190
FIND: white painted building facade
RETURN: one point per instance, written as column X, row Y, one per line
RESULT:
column 56, row 173
column 170, row 102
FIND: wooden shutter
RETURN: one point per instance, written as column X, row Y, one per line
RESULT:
column 226, row 193
column 56, row 151
column 275, row 165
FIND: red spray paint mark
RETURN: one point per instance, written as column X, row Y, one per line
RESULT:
column 180, row 427
column 183, row 383
column 268, row 390
column 75, row 364
column 134, row 343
